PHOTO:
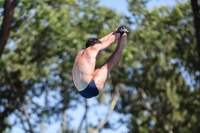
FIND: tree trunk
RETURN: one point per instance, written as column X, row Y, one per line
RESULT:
column 84, row 117
column 196, row 15
column 111, row 108
column 64, row 119
column 9, row 6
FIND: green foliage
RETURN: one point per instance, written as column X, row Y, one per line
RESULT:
column 158, row 92
column 36, row 65
column 158, row 75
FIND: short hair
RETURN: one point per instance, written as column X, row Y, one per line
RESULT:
column 92, row 41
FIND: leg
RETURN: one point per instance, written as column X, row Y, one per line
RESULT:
column 102, row 73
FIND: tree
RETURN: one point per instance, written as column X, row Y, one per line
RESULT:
column 9, row 6
column 36, row 82
column 156, row 85
column 196, row 17
column 163, row 73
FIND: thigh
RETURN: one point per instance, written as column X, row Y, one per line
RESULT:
column 101, row 76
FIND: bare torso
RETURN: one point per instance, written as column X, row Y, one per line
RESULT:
column 84, row 67
column 84, row 71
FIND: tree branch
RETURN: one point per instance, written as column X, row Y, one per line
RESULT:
column 111, row 108
column 196, row 16
column 151, row 110
column 84, row 116
column 27, row 117
column 9, row 6
column 21, row 120
column 146, row 104
column 64, row 119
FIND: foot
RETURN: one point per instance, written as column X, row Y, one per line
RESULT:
column 121, row 30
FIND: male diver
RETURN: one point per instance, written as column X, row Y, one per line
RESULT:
column 87, row 80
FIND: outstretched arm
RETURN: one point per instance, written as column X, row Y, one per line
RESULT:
column 110, row 39
column 105, row 38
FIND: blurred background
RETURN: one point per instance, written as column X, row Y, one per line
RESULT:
column 154, row 89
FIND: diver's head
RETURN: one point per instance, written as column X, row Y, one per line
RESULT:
column 92, row 41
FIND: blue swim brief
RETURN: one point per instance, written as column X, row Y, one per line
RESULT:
column 90, row 91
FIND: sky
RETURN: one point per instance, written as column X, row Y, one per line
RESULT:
column 120, row 6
